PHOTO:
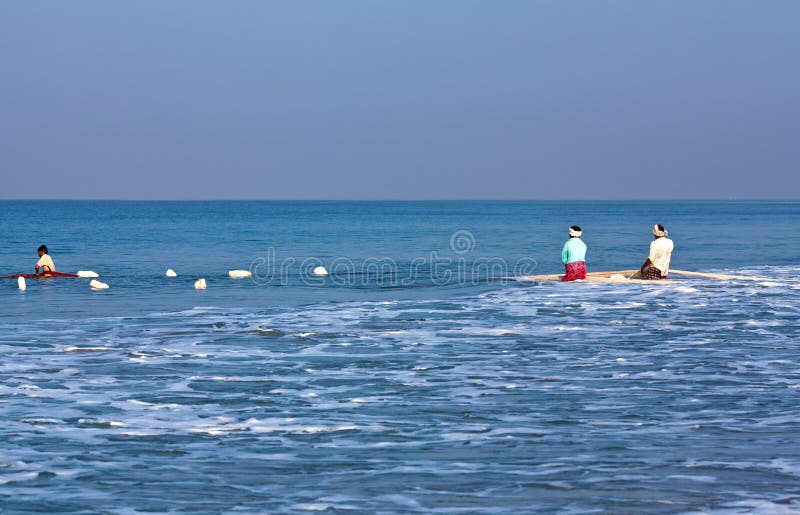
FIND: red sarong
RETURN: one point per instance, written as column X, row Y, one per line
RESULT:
column 574, row 271
column 653, row 274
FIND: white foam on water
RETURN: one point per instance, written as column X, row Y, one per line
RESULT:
column 405, row 501
column 786, row 466
column 94, row 422
column 625, row 305
column 698, row 479
column 28, row 387
column 460, row 437
column 288, row 425
column 764, row 323
column 325, row 429
column 143, row 432
column 41, row 421
column 17, row 367
column 151, row 406
column 18, row 477
column 501, row 366
column 752, row 506
column 562, row 328
column 86, row 349
column 313, row 507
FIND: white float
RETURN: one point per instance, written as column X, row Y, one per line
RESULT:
column 239, row 274
column 200, row 284
column 320, row 270
column 21, row 283
column 171, row 273
column 97, row 285
column 87, row 274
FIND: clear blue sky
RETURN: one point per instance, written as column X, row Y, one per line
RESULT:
column 399, row 99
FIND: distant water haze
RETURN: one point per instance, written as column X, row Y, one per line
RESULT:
column 400, row 100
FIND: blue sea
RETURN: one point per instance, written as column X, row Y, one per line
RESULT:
column 417, row 377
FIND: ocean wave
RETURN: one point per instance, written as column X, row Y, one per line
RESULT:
column 519, row 391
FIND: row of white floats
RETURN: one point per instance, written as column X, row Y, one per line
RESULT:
column 93, row 284
column 199, row 284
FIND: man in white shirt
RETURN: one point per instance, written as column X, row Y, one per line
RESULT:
column 657, row 264
column 45, row 262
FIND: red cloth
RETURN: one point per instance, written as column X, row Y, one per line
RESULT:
column 653, row 273
column 574, row 271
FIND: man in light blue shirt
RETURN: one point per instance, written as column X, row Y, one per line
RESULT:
column 573, row 256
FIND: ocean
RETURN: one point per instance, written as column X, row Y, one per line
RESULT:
column 416, row 377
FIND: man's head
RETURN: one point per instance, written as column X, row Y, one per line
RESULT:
column 659, row 231
column 42, row 250
column 575, row 232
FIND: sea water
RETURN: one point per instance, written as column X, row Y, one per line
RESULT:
column 416, row 377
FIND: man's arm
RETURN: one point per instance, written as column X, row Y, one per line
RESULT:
column 650, row 257
column 647, row 263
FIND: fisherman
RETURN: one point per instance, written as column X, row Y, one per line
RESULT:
column 657, row 264
column 573, row 256
column 45, row 262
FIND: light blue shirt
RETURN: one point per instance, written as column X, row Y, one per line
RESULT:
column 574, row 250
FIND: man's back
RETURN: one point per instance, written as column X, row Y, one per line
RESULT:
column 46, row 263
column 574, row 250
column 661, row 253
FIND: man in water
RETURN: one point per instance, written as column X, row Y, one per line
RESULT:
column 573, row 256
column 45, row 262
column 657, row 264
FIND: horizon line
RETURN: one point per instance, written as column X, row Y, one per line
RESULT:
column 211, row 199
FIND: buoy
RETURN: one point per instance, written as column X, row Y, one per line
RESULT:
column 320, row 270
column 171, row 273
column 239, row 274
column 87, row 274
column 200, row 284
column 97, row 285
column 21, row 283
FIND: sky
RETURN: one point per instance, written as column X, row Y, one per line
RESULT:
column 444, row 99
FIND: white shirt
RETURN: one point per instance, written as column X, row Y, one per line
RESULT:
column 660, row 254
column 46, row 262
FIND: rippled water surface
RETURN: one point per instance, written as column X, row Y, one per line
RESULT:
column 472, row 396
